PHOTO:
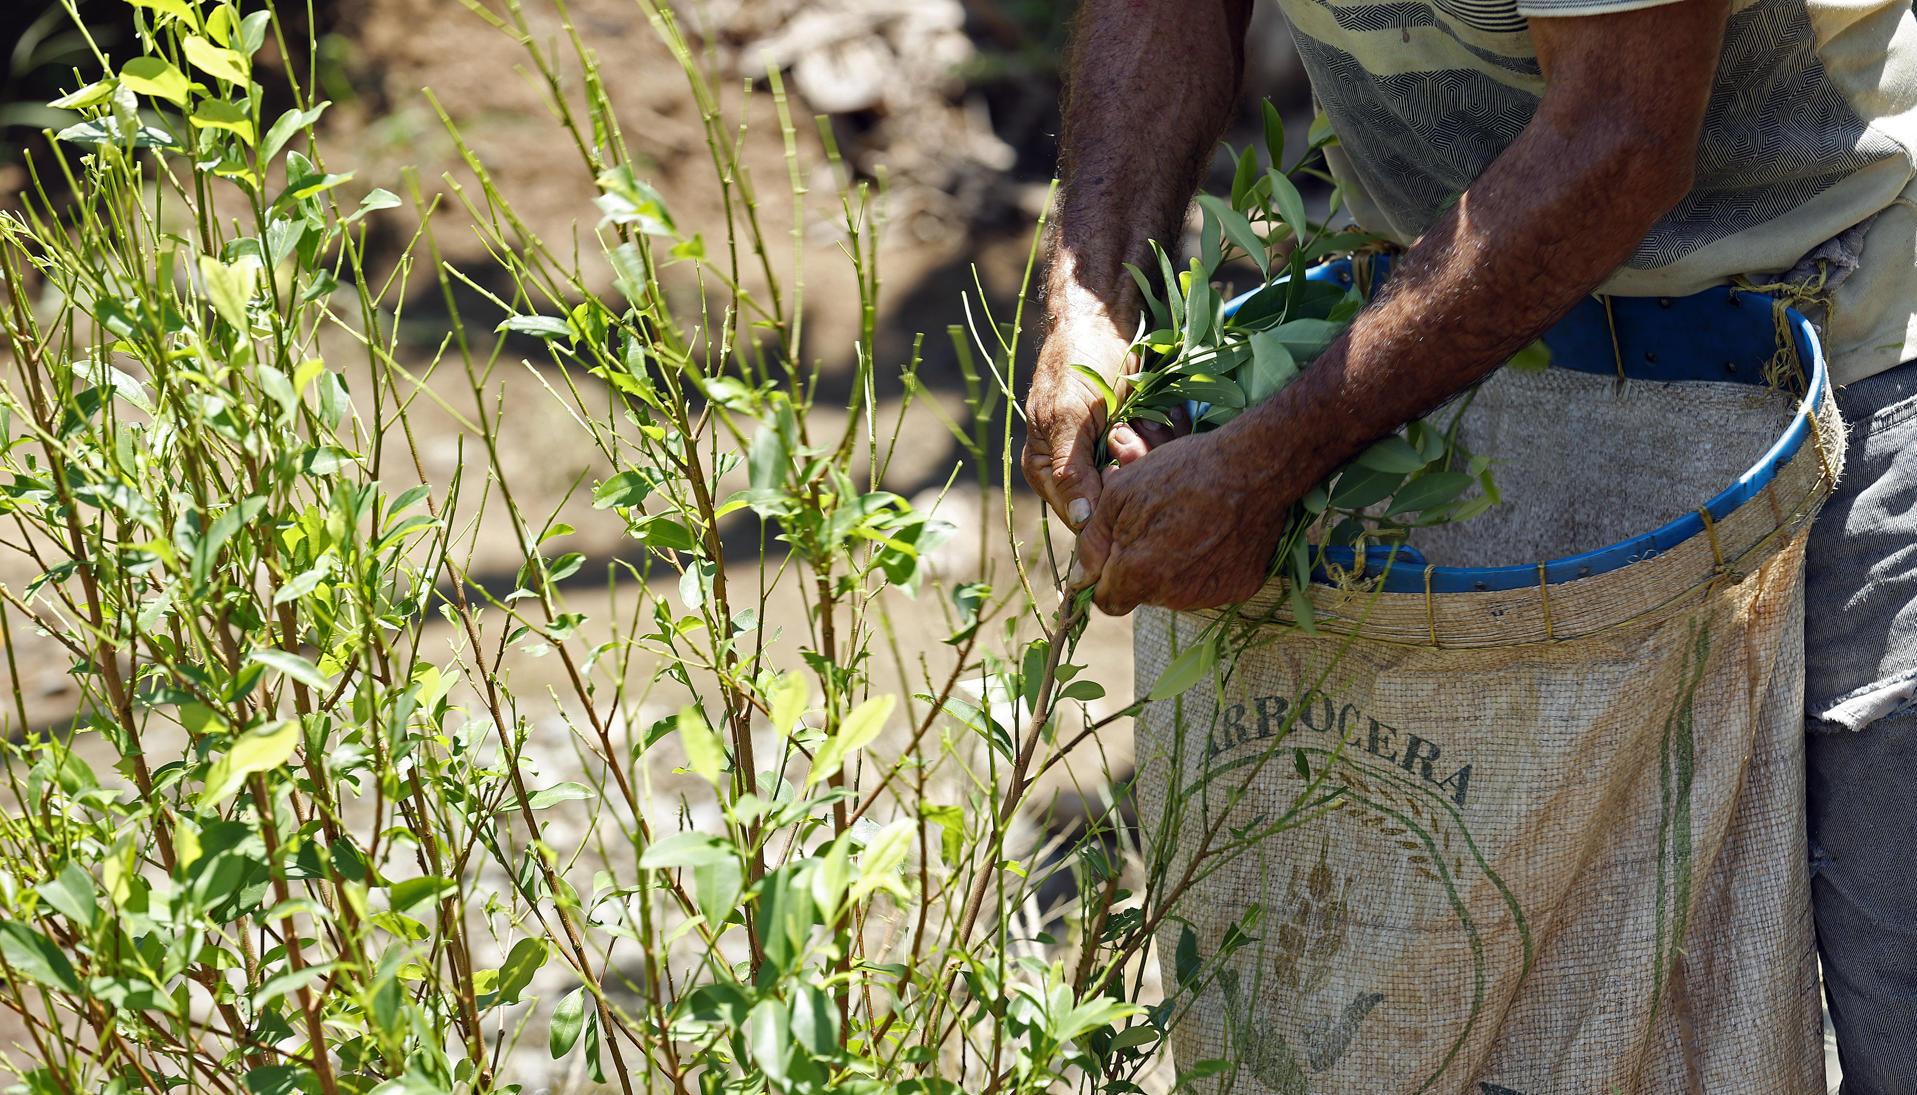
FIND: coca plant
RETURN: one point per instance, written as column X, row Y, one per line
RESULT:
column 300, row 832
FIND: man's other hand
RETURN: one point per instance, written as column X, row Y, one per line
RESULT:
column 1193, row 527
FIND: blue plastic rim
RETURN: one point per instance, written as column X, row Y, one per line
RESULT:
column 1720, row 334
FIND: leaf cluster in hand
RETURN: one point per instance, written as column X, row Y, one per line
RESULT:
column 1197, row 355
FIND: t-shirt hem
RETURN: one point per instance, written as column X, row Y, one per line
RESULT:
column 1556, row 9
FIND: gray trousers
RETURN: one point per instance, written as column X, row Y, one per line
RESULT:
column 1861, row 710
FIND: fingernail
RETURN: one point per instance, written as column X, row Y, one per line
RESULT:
column 1123, row 435
column 1079, row 511
column 1075, row 577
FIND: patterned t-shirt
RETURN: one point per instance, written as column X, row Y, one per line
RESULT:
column 1806, row 161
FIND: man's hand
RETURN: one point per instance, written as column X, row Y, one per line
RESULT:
column 1065, row 414
column 1193, row 527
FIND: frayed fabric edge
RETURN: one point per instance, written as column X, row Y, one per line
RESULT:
column 1859, row 708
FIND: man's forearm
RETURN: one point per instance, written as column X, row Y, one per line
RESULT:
column 1564, row 206
column 1150, row 87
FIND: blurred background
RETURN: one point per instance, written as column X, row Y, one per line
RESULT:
column 952, row 105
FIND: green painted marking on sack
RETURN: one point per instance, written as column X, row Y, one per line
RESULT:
column 1677, row 772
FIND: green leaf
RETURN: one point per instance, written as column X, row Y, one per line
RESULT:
column 287, row 125
column 1272, row 367
column 522, row 963
column 1238, row 230
column 1321, row 133
column 665, row 534
column 562, row 1033
column 1198, row 305
column 295, row 667
column 1193, row 664
column 1160, row 315
column 1211, row 243
column 289, row 981
column 857, row 731
column 626, row 200
column 229, row 288
column 537, row 326
column 71, row 893
column 565, row 566
column 1185, row 959
column 769, row 1039
column 884, row 854
column 34, row 957
column 595, row 1063
column 1097, row 380
column 559, row 792
column 304, row 178
column 1302, row 612
column 1358, row 487
column 626, row 489
column 253, row 31
column 403, row 896
column 375, row 200
column 1092, row 1016
column 1534, row 358
column 1274, row 134
column 786, row 699
column 1216, row 390
column 256, row 751
column 279, row 1080
column 716, row 888
column 1307, row 338
column 96, row 92
column 1391, row 454
column 302, row 584
column 219, row 25
column 770, row 457
column 1083, row 691
column 177, row 9
column 218, row 114
column 1429, row 442
column 1291, row 204
column 221, row 64
column 1245, row 178
column 1174, row 300
column 154, row 76
column 1430, row 491
column 969, row 598
column 951, row 823
column 814, row 1021
column 705, row 755
column 99, row 132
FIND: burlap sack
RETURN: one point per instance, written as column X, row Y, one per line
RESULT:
column 1543, row 840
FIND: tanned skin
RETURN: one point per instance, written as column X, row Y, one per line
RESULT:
column 1609, row 150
